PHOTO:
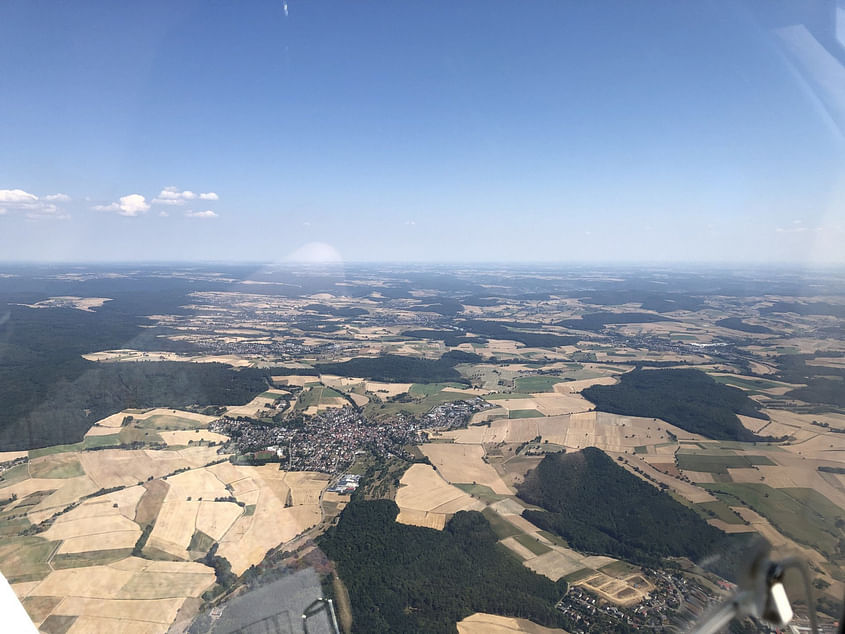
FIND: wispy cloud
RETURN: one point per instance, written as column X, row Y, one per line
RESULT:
column 61, row 198
column 201, row 214
column 129, row 205
column 175, row 196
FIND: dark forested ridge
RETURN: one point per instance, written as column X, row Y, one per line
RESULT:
column 68, row 408
column 411, row 579
column 824, row 383
column 808, row 308
column 599, row 507
column 401, row 369
column 498, row 330
column 448, row 337
column 597, row 321
column 735, row 323
column 686, row 398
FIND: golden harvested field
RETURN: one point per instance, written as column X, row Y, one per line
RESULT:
column 464, row 464
column 572, row 387
column 359, row 399
column 95, row 525
column 482, row 623
column 426, row 519
column 184, row 437
column 387, row 389
column 610, row 432
column 67, row 493
column 174, row 527
column 305, row 486
column 555, row 404
column 178, row 517
column 251, row 408
column 422, row 489
column 6, row 456
column 293, row 379
column 215, row 518
column 271, row 524
column 122, row 467
column 97, row 615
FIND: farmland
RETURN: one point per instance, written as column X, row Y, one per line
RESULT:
column 182, row 448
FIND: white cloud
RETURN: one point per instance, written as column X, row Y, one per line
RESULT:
column 129, row 205
column 173, row 196
column 201, row 214
column 61, row 198
column 16, row 196
column 163, row 214
column 33, row 207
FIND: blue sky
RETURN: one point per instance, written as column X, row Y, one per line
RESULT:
column 418, row 131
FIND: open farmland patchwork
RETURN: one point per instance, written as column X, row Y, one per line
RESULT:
column 208, row 442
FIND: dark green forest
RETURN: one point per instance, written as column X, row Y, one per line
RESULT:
column 686, row 398
column 66, row 409
column 597, row 321
column 400, row 369
column 496, row 330
column 735, row 323
column 823, row 383
column 599, row 507
column 448, row 337
column 411, row 579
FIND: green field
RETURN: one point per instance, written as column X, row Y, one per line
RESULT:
column 200, row 542
column 25, row 558
column 500, row 526
column 482, row 492
column 720, row 511
column 756, row 386
column 112, row 440
column 413, row 405
column 57, row 469
column 801, row 514
column 578, row 575
column 309, row 397
column 13, row 475
column 91, row 558
column 131, row 434
column 720, row 464
column 618, row 568
column 420, row 390
column 555, row 539
column 505, row 396
column 169, row 423
column 532, row 543
column 736, row 445
column 537, row 383
column 524, row 413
